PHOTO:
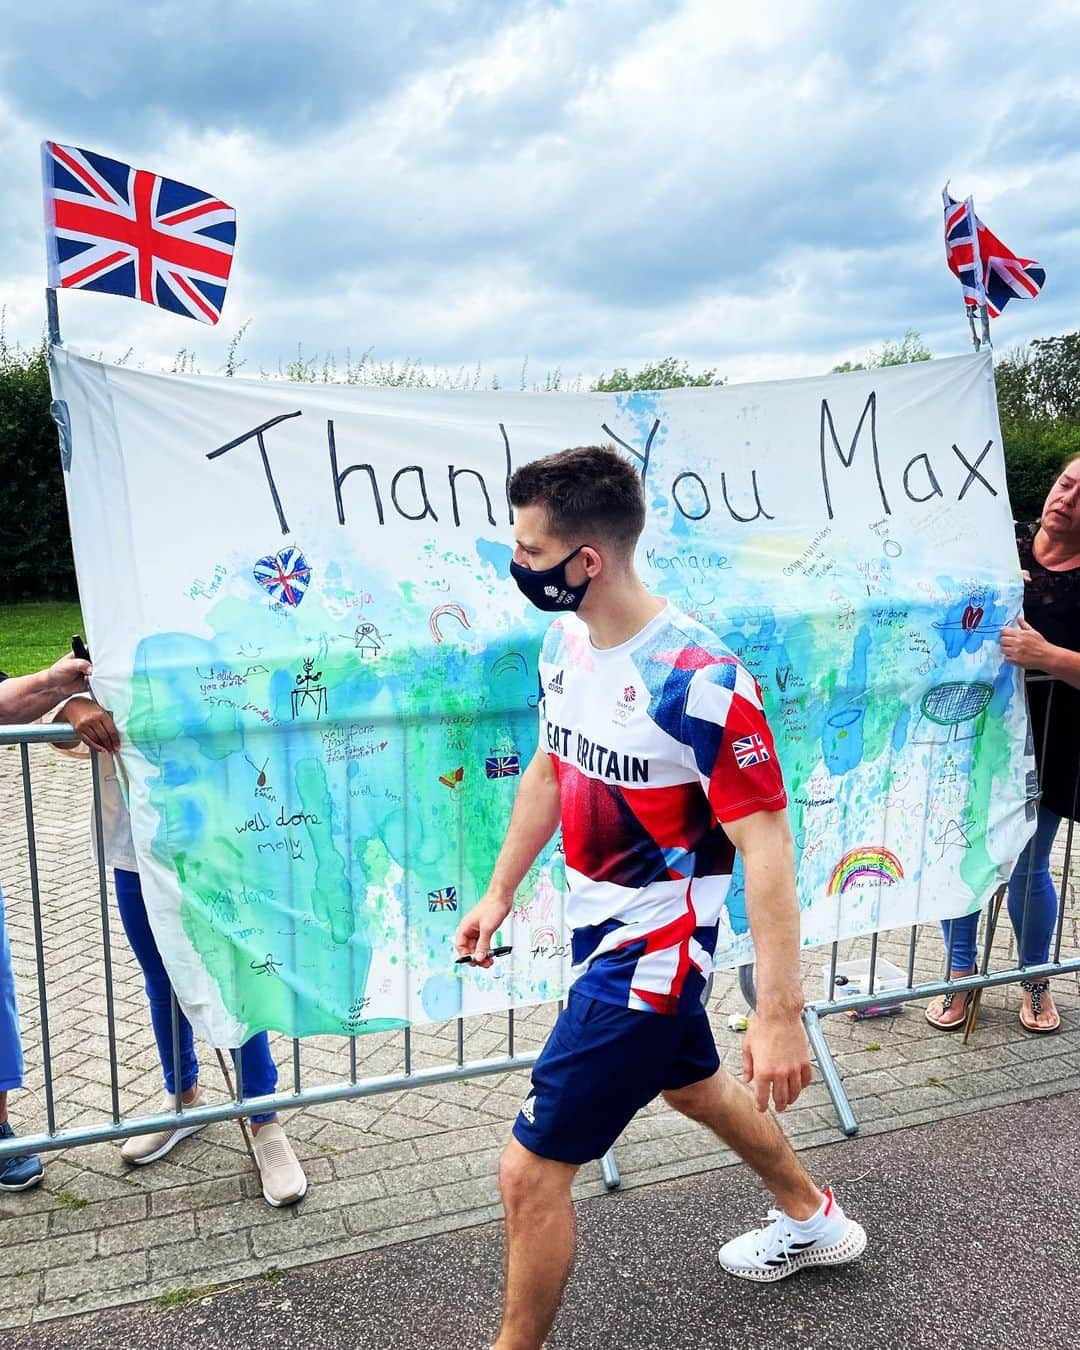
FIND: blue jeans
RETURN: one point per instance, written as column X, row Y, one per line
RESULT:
column 11, row 1059
column 1033, row 942
column 257, row 1068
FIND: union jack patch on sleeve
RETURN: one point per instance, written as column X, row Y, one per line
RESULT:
column 750, row 750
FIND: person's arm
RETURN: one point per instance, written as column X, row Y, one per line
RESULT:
column 776, row 1053
column 23, row 698
column 732, row 748
column 533, row 821
column 1026, row 647
column 93, row 724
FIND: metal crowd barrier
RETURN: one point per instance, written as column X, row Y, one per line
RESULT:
column 238, row 1106
column 984, row 978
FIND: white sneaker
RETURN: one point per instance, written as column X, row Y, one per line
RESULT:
column 783, row 1246
column 283, row 1179
column 147, row 1148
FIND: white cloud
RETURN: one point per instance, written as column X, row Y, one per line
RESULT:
column 751, row 186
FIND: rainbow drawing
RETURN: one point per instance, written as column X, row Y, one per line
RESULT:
column 869, row 861
column 544, row 940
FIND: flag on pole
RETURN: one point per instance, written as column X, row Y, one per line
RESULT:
column 989, row 273
column 125, row 231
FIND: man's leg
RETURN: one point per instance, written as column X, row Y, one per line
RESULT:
column 539, row 1244
column 727, row 1108
column 807, row 1228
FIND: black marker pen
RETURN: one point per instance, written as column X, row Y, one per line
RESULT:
column 493, row 951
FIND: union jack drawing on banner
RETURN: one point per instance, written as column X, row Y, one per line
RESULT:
column 126, row 231
column 750, row 750
column 987, row 270
column 442, row 900
column 286, row 575
column 502, row 766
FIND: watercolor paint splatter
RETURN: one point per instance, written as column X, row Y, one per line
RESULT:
column 324, row 741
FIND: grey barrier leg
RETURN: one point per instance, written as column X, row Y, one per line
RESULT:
column 820, row 1046
column 610, row 1168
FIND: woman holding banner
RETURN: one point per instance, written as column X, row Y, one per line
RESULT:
column 283, row 1179
column 1047, row 640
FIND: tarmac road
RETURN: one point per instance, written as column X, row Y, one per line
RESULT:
column 974, row 1241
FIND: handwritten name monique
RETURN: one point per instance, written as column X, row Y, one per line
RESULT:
column 410, row 498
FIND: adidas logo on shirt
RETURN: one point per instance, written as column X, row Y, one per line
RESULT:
column 528, row 1108
column 555, row 683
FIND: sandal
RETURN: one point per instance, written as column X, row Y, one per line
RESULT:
column 1038, row 990
column 944, row 1003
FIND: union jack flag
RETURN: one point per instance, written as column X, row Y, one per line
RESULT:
column 112, row 228
column 750, row 750
column 286, row 575
column 502, row 766
column 987, row 270
column 446, row 899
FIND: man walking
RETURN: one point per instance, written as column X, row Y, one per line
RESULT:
column 656, row 759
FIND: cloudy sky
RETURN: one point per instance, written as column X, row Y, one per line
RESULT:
column 751, row 186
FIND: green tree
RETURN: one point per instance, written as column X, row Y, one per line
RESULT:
column 1038, row 393
column 33, row 512
column 1041, row 380
column 668, row 373
column 1035, row 453
column 902, row 352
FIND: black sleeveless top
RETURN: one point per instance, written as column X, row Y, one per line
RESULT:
column 1052, row 607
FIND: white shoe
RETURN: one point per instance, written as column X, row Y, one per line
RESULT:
column 283, row 1179
column 147, row 1148
column 783, row 1246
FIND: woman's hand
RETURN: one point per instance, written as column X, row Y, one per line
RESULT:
column 1025, row 646
column 66, row 677
column 94, row 725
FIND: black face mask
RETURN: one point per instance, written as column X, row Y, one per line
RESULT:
column 549, row 590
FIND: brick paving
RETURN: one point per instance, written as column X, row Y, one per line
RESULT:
column 385, row 1169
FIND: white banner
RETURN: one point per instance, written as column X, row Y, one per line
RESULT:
column 299, row 611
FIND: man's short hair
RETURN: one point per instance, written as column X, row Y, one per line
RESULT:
column 588, row 493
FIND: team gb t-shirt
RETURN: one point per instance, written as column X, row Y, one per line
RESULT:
column 655, row 743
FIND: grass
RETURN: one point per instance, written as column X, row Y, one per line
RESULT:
column 173, row 1298
column 70, row 1201
column 36, row 633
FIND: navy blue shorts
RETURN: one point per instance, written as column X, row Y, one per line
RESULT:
column 602, row 1063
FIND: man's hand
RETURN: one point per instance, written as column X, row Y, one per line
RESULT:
column 94, row 725
column 776, row 1059
column 67, row 677
column 1026, row 647
column 476, row 929
column 776, row 1053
